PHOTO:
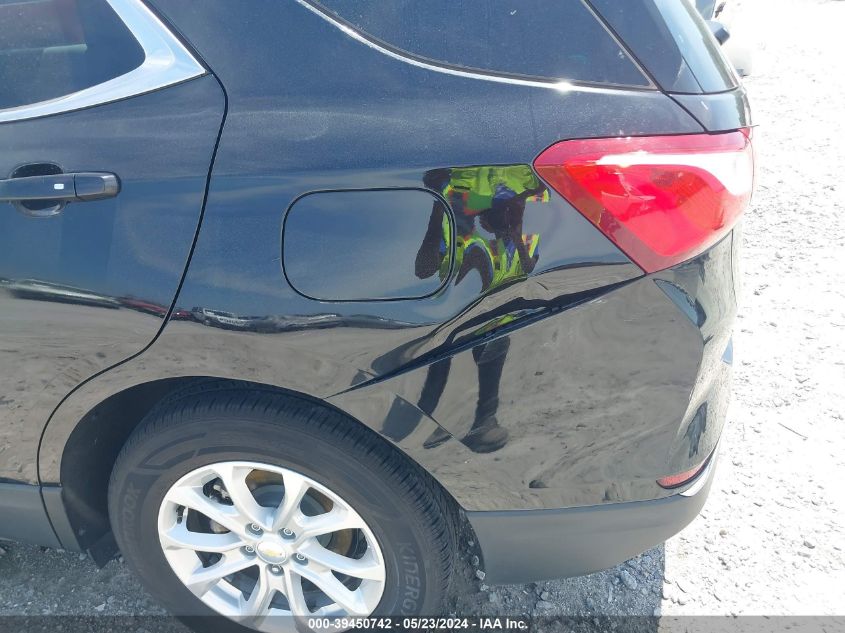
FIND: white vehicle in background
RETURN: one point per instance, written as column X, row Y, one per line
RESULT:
column 721, row 16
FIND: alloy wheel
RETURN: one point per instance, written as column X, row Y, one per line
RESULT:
column 254, row 540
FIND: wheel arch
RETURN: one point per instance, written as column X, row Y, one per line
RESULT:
column 77, row 469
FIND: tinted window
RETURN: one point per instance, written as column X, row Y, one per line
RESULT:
column 361, row 245
column 51, row 48
column 673, row 43
column 706, row 8
column 558, row 39
column 698, row 46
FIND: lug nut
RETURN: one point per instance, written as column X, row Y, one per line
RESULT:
column 249, row 549
column 288, row 533
column 301, row 559
column 275, row 570
column 255, row 528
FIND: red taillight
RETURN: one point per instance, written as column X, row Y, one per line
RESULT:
column 661, row 199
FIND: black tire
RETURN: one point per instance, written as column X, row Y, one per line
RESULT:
column 215, row 422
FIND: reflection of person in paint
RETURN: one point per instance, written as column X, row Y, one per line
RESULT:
column 488, row 205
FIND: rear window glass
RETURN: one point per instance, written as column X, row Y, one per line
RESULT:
column 558, row 39
column 706, row 8
column 51, row 48
column 672, row 42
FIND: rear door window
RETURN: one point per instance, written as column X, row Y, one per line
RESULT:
column 560, row 39
column 52, row 48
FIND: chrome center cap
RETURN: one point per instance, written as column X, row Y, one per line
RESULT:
column 272, row 550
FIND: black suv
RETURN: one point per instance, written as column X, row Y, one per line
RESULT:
column 293, row 291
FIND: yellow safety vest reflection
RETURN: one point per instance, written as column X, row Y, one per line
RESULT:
column 475, row 189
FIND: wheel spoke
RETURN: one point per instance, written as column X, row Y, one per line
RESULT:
column 180, row 537
column 325, row 581
column 279, row 557
column 193, row 498
column 259, row 600
column 234, row 480
column 295, row 488
column 367, row 567
column 293, row 592
column 204, row 578
column 338, row 518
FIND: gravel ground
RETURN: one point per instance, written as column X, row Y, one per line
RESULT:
column 770, row 540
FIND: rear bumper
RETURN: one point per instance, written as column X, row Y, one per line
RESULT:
column 531, row 545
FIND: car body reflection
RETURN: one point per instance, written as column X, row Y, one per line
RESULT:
column 289, row 323
column 39, row 290
column 488, row 203
column 147, row 307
